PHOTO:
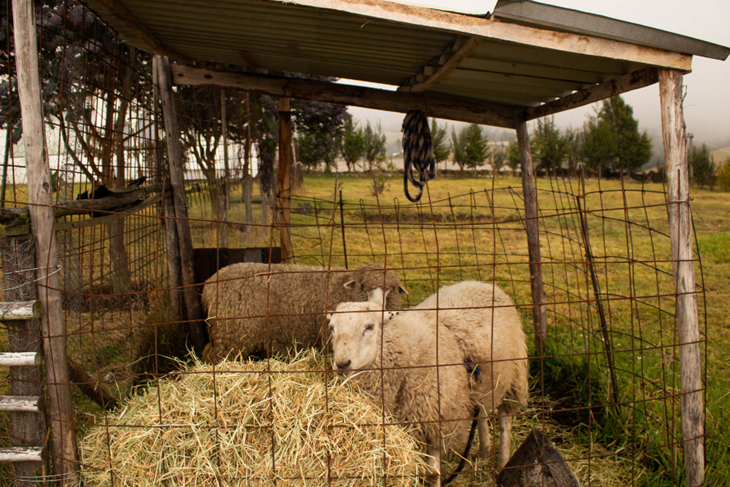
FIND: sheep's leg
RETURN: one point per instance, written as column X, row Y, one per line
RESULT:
column 434, row 465
column 485, row 434
column 505, row 435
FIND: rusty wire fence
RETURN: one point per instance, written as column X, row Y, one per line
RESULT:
column 605, row 387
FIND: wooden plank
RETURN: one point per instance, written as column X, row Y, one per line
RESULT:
column 432, row 105
column 40, row 199
column 120, row 12
column 191, row 298
column 27, row 404
column 17, row 454
column 686, row 316
column 284, row 176
column 446, row 69
column 20, row 310
column 515, row 33
column 20, row 359
column 632, row 81
column 539, row 311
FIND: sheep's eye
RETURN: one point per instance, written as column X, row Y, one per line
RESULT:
column 369, row 328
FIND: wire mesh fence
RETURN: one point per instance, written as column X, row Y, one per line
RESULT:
column 605, row 386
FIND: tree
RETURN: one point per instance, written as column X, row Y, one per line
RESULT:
column 703, row 166
column 353, row 144
column 374, row 144
column 572, row 148
column 441, row 149
column 514, row 161
column 599, row 145
column 633, row 149
column 550, row 147
column 499, row 158
column 324, row 123
column 470, row 147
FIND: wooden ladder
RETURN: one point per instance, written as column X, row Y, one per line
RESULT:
column 21, row 408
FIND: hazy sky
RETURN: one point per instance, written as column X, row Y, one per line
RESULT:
column 707, row 104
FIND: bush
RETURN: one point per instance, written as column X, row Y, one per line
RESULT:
column 723, row 176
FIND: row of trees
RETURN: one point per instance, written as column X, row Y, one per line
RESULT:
column 609, row 142
column 358, row 143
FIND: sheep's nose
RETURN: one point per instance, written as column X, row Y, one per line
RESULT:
column 343, row 365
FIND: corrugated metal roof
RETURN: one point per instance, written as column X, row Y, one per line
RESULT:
column 384, row 42
column 568, row 20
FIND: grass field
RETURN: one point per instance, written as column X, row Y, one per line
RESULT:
column 473, row 228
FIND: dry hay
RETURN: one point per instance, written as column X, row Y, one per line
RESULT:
column 196, row 438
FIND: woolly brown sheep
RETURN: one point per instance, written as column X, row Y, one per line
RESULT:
column 482, row 357
column 239, row 298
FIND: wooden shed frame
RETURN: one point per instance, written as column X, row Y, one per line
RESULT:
column 437, row 87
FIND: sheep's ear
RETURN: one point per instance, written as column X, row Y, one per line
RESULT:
column 377, row 296
column 402, row 290
column 350, row 284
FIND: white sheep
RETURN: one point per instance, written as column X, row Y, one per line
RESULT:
column 480, row 362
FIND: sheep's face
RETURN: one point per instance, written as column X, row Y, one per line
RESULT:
column 355, row 330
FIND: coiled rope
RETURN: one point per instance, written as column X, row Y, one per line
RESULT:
column 417, row 153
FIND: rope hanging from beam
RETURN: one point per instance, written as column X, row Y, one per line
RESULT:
column 417, row 153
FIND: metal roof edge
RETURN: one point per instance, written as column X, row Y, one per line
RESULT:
column 535, row 14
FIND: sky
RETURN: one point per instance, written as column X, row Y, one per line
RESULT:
column 707, row 103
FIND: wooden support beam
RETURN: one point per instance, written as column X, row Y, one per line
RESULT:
column 110, row 216
column 26, row 404
column 191, row 299
column 275, row 86
column 17, row 454
column 119, row 198
column 284, row 186
column 446, row 69
column 120, row 12
column 503, row 31
column 48, row 283
column 622, row 84
column 20, row 310
column 686, row 316
column 539, row 311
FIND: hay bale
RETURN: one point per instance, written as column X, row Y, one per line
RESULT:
column 250, row 422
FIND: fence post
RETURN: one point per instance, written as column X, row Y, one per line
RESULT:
column 175, row 162
column 41, row 215
column 28, row 429
column 680, row 233
column 284, row 193
column 539, row 311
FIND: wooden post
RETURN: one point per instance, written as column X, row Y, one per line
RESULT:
column 27, row 429
column 172, row 244
column 223, row 202
column 680, row 233
column 175, row 162
column 284, row 193
column 539, row 311
column 41, row 215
